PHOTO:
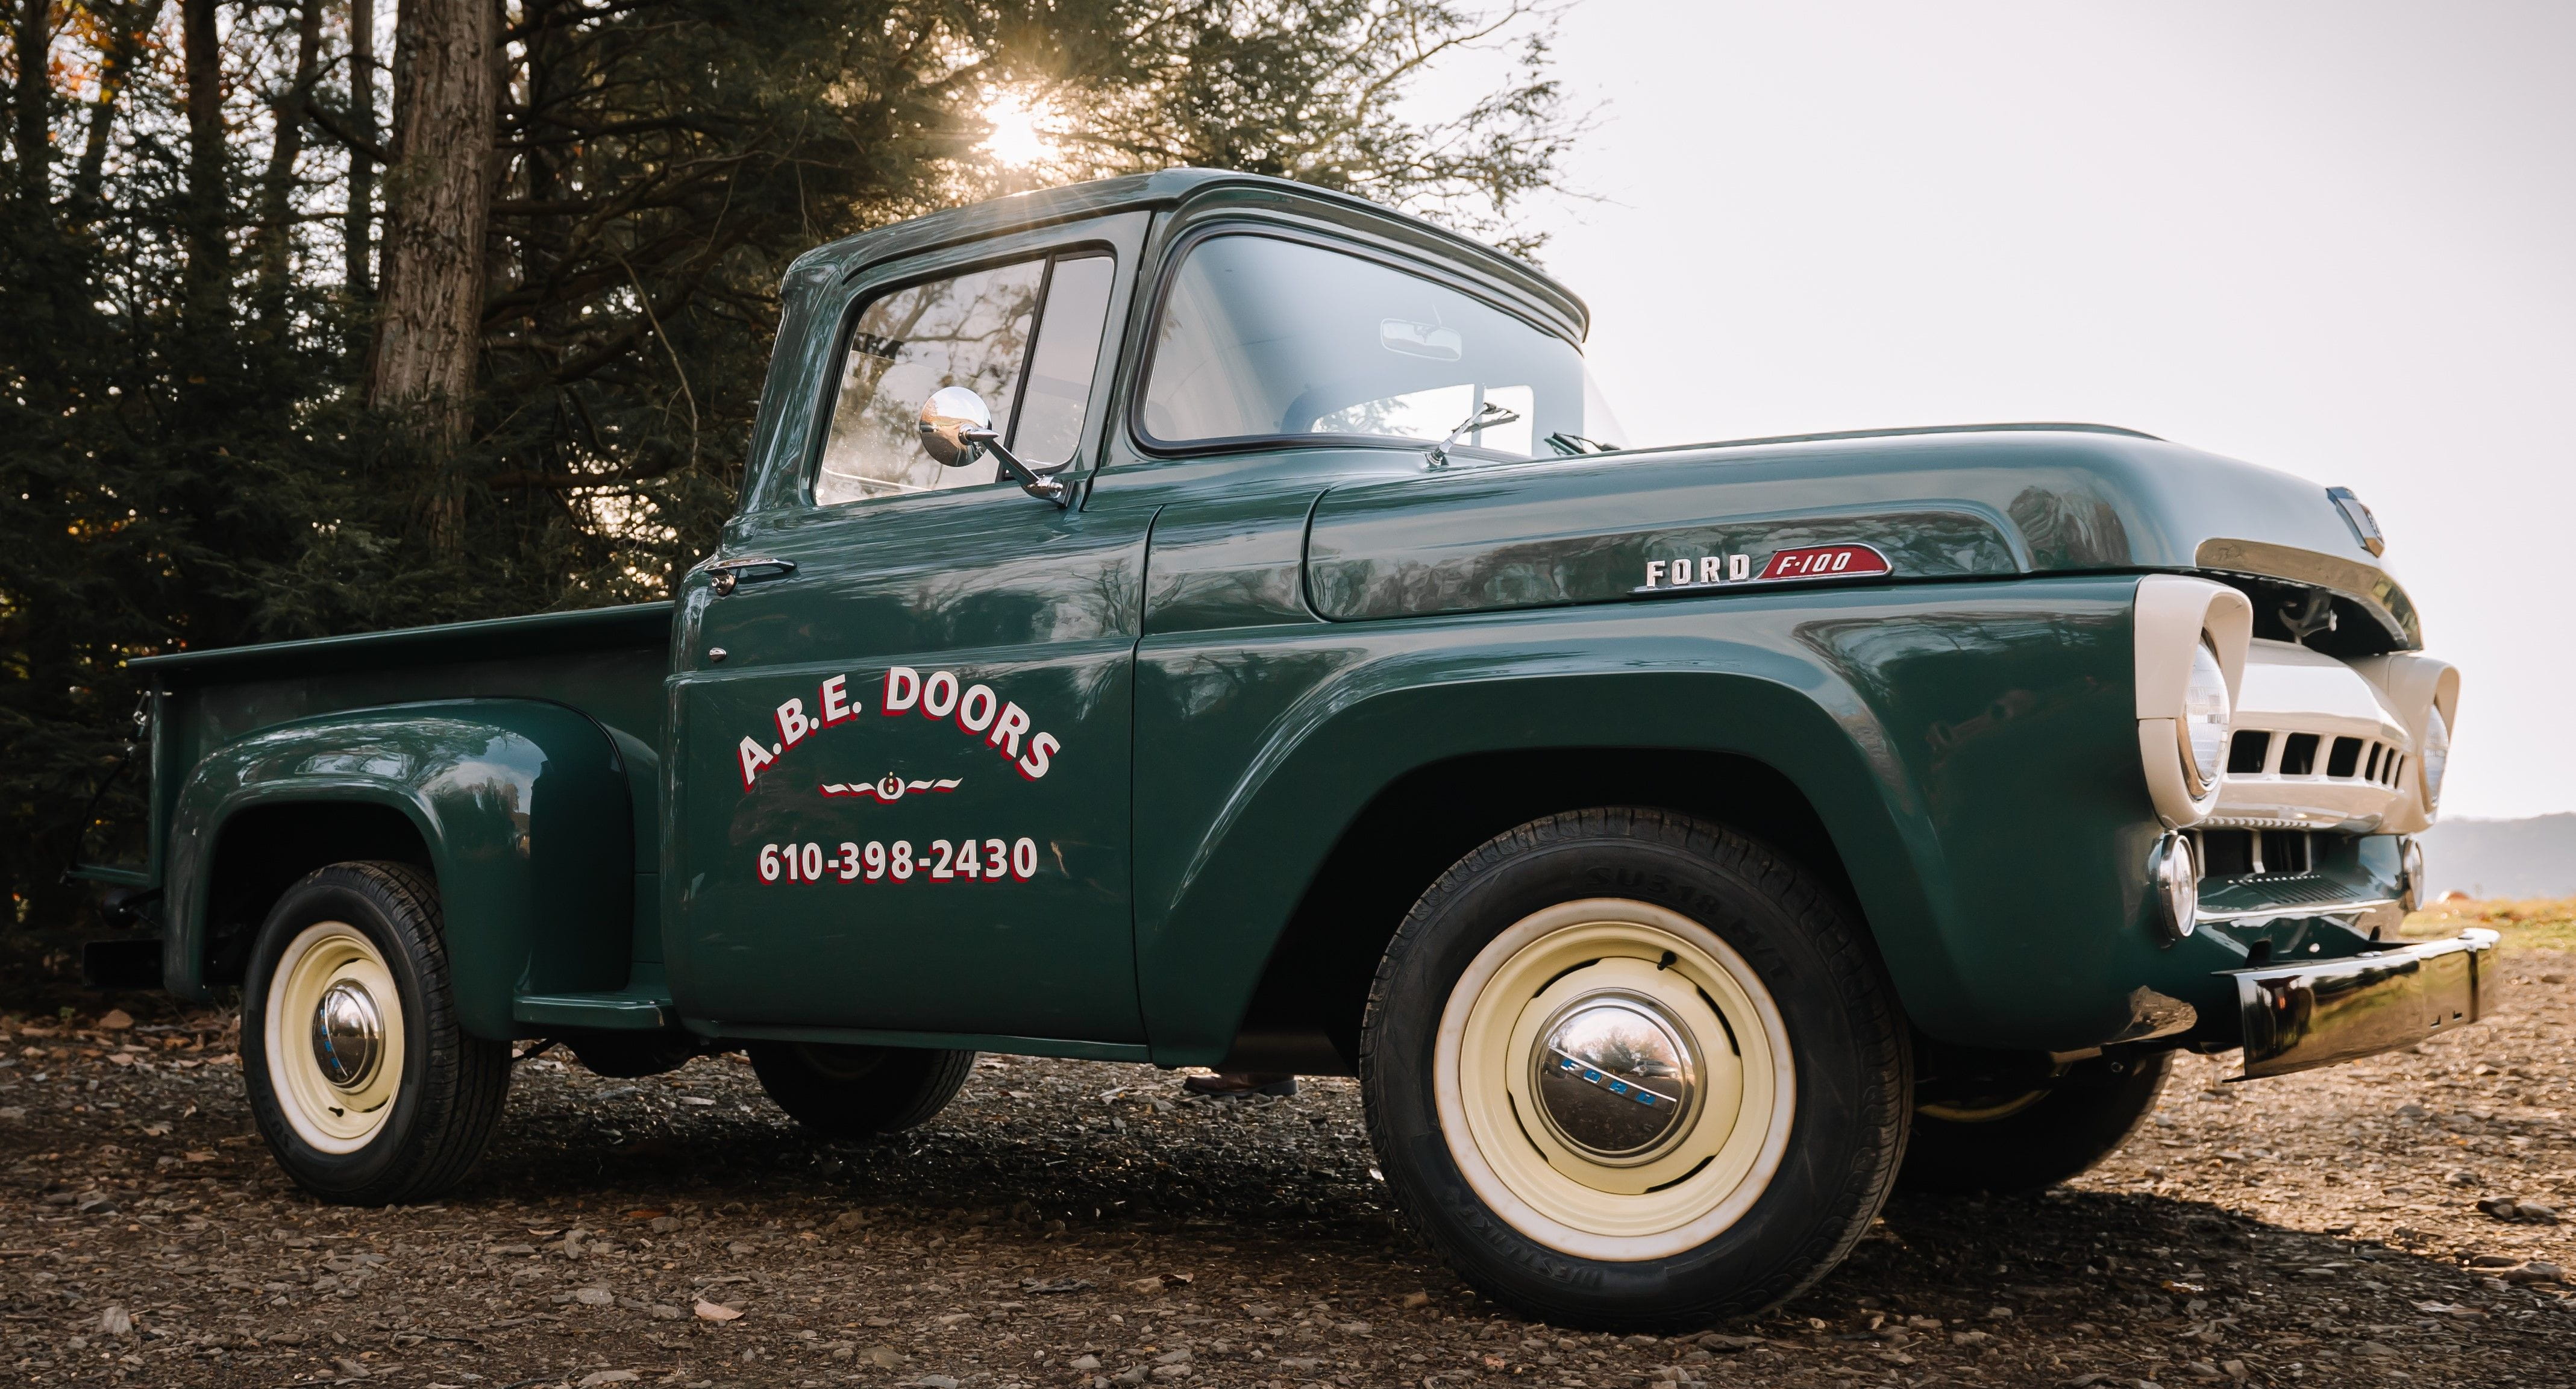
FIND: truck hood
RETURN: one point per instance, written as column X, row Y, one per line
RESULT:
column 1985, row 502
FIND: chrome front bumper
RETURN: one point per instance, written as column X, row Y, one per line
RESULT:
column 2299, row 1016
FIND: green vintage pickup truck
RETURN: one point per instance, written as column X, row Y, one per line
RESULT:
column 1200, row 620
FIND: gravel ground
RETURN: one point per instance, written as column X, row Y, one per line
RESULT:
column 1072, row 1223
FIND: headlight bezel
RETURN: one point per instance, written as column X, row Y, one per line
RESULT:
column 2414, row 685
column 2176, row 622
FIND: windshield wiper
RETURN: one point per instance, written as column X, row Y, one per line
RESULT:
column 1486, row 417
column 1575, row 445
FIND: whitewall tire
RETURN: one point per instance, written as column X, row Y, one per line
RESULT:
column 1578, row 1151
column 365, row 1087
column 1629, row 1070
column 332, row 1030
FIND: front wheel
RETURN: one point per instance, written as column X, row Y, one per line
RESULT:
column 361, row 1081
column 859, row 1091
column 1625, row 1069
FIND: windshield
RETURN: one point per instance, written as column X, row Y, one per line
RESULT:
column 1262, row 337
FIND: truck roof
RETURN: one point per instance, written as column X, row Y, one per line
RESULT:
column 1171, row 188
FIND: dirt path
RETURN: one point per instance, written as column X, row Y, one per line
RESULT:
column 1068, row 1223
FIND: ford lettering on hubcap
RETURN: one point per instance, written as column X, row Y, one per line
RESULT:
column 1616, row 1077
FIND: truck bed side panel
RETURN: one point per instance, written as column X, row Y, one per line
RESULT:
column 522, row 805
column 570, row 704
column 619, row 688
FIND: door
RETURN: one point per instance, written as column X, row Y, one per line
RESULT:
column 902, row 789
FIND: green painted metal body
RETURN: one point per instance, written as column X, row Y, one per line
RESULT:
column 522, row 804
column 1237, row 655
column 523, row 753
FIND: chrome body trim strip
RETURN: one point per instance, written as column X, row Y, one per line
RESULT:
column 2254, row 916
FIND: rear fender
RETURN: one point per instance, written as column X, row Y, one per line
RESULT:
column 523, row 809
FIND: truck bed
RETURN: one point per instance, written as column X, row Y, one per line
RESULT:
column 607, row 662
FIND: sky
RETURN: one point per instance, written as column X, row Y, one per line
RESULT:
column 2335, row 239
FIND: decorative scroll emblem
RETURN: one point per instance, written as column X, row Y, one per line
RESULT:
column 890, row 787
column 1690, row 573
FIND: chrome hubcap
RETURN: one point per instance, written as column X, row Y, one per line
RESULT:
column 348, row 1035
column 1617, row 1077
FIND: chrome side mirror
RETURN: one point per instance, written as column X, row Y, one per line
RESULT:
column 957, row 428
column 951, row 413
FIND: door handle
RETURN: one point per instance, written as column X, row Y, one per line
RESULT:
column 733, row 571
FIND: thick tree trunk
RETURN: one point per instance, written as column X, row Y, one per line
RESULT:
column 286, row 145
column 208, row 256
column 33, row 99
column 358, row 228
column 438, row 200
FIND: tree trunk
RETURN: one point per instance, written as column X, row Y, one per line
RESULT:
column 358, row 229
column 286, row 144
column 34, row 98
column 124, row 43
column 208, row 256
column 438, row 200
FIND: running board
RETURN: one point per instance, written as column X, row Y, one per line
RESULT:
column 609, row 1012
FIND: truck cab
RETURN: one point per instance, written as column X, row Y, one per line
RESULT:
column 1200, row 620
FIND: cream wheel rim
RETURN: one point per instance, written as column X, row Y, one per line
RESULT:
column 1613, row 1080
column 333, row 1033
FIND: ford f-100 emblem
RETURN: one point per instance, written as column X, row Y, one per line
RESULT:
column 1689, row 572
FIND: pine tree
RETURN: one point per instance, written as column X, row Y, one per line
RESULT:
column 267, row 373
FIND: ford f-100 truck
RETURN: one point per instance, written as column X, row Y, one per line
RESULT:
column 1201, row 620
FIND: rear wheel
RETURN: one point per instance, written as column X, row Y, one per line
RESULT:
column 2034, row 1138
column 1627, row 1069
column 856, row 1092
column 361, row 1080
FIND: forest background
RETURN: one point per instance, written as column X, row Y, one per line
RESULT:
column 322, row 316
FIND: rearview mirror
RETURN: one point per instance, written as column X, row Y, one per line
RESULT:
column 957, row 429
column 1421, row 339
column 947, row 418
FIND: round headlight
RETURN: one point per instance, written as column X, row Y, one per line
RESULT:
column 2436, row 755
column 2410, row 867
column 2173, row 874
column 2205, row 716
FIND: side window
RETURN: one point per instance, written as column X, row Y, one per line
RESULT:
column 1025, row 337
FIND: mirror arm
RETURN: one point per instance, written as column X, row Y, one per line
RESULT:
column 1035, row 483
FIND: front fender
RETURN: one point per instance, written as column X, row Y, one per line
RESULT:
column 1970, row 750
column 523, row 806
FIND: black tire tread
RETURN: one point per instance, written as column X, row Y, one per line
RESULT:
column 947, row 1076
column 875, row 1105
column 1858, row 974
column 455, row 1137
column 2060, row 1137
